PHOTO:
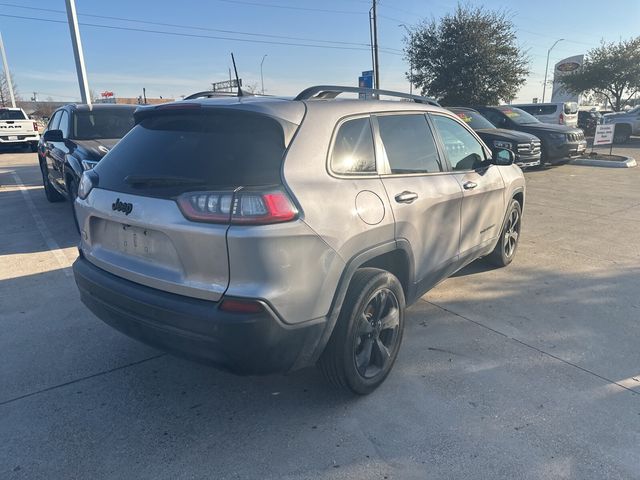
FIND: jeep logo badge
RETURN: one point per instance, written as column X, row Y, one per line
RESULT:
column 123, row 207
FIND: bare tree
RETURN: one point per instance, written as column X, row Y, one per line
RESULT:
column 5, row 97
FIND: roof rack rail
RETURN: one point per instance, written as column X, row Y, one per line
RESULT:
column 214, row 93
column 332, row 91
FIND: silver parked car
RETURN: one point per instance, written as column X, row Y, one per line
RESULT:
column 266, row 234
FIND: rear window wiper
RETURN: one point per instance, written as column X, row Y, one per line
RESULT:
column 160, row 181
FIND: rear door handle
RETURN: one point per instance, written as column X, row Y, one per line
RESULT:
column 406, row 197
column 469, row 185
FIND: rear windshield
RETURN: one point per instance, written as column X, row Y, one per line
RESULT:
column 518, row 116
column 102, row 123
column 473, row 119
column 172, row 153
column 570, row 108
column 12, row 114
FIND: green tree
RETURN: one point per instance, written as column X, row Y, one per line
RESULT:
column 468, row 57
column 611, row 70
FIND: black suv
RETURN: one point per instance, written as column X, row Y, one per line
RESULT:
column 524, row 145
column 558, row 141
column 75, row 140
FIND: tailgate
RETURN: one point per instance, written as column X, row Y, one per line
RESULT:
column 17, row 127
column 154, row 244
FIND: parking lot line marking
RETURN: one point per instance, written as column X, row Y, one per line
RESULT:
column 42, row 227
column 71, row 382
column 567, row 362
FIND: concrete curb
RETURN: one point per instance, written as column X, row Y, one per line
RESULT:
column 593, row 162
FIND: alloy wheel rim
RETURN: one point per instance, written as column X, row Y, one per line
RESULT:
column 376, row 333
column 511, row 233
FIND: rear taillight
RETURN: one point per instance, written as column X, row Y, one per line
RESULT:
column 88, row 180
column 247, row 207
column 561, row 119
column 35, row 126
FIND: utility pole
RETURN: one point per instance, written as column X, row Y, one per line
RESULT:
column 7, row 73
column 72, row 18
column 144, row 95
column 546, row 69
column 376, row 64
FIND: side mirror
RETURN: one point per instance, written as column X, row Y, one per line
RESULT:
column 53, row 136
column 503, row 157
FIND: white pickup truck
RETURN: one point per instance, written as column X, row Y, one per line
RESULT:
column 17, row 129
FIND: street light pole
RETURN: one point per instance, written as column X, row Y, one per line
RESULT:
column 7, row 74
column 546, row 69
column 72, row 17
column 410, row 61
column 261, row 76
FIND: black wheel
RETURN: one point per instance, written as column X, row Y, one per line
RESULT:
column 621, row 134
column 367, row 337
column 33, row 147
column 506, row 248
column 51, row 193
column 72, row 188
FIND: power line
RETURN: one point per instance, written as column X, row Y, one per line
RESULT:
column 192, row 27
column 288, row 7
column 192, row 35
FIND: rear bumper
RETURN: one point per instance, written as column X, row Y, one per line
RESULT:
column 244, row 344
column 19, row 140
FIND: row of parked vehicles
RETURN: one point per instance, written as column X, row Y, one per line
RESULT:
column 264, row 234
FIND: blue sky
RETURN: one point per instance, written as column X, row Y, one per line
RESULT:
column 124, row 61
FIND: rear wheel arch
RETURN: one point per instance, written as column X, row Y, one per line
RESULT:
column 374, row 257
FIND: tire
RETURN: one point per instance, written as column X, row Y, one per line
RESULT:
column 621, row 134
column 33, row 147
column 507, row 245
column 50, row 192
column 361, row 351
column 72, row 188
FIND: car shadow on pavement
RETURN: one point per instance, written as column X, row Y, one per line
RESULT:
column 452, row 374
column 30, row 222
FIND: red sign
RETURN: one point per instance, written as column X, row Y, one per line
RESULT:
column 107, row 94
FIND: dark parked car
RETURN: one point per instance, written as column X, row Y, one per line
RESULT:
column 558, row 141
column 524, row 145
column 75, row 140
column 588, row 121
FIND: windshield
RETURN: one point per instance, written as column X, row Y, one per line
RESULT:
column 107, row 123
column 473, row 119
column 518, row 116
column 6, row 114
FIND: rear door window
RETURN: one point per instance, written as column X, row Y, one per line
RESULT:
column 547, row 110
column 353, row 152
column 173, row 152
column 409, row 144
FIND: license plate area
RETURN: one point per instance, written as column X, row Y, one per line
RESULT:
column 136, row 241
column 127, row 241
column 13, row 137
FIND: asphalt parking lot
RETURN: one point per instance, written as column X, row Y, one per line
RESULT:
column 529, row 372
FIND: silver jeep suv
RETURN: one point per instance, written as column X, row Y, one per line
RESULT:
column 267, row 234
